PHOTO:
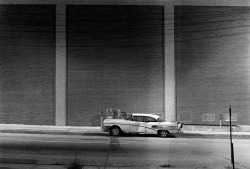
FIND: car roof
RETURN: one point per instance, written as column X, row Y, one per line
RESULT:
column 148, row 115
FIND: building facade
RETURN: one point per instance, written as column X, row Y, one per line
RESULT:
column 65, row 62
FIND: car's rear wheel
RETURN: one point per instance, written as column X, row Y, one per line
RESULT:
column 115, row 131
column 163, row 133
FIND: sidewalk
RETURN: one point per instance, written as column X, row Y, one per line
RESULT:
column 43, row 129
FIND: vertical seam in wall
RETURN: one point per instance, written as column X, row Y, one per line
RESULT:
column 66, row 48
column 163, row 60
column 175, row 68
column 61, row 114
column 54, row 85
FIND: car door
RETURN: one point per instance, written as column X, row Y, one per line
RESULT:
column 142, row 124
column 134, row 126
column 149, row 122
column 142, row 127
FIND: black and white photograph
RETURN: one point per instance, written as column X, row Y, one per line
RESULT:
column 124, row 84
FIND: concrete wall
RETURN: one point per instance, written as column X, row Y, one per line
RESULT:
column 172, row 106
column 115, row 60
column 212, row 58
column 27, row 44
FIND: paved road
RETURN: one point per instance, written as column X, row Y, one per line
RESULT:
column 45, row 151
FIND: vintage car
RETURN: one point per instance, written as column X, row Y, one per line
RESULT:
column 141, row 124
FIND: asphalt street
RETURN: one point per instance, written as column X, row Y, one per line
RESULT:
column 47, row 151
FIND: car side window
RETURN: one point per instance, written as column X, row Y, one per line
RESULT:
column 150, row 119
column 139, row 118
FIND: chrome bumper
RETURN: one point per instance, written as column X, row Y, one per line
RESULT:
column 105, row 128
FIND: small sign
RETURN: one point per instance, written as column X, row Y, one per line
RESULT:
column 208, row 116
column 233, row 117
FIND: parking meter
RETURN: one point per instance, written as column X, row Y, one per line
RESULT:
column 220, row 121
column 101, row 119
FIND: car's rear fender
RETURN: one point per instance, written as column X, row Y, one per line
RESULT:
column 121, row 123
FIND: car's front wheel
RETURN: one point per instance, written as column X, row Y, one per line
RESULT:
column 163, row 133
column 115, row 131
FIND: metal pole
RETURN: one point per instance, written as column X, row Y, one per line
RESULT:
column 220, row 124
column 231, row 142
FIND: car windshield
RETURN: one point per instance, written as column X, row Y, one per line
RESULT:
column 160, row 120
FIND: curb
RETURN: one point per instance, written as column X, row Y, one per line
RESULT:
column 40, row 129
column 219, row 135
